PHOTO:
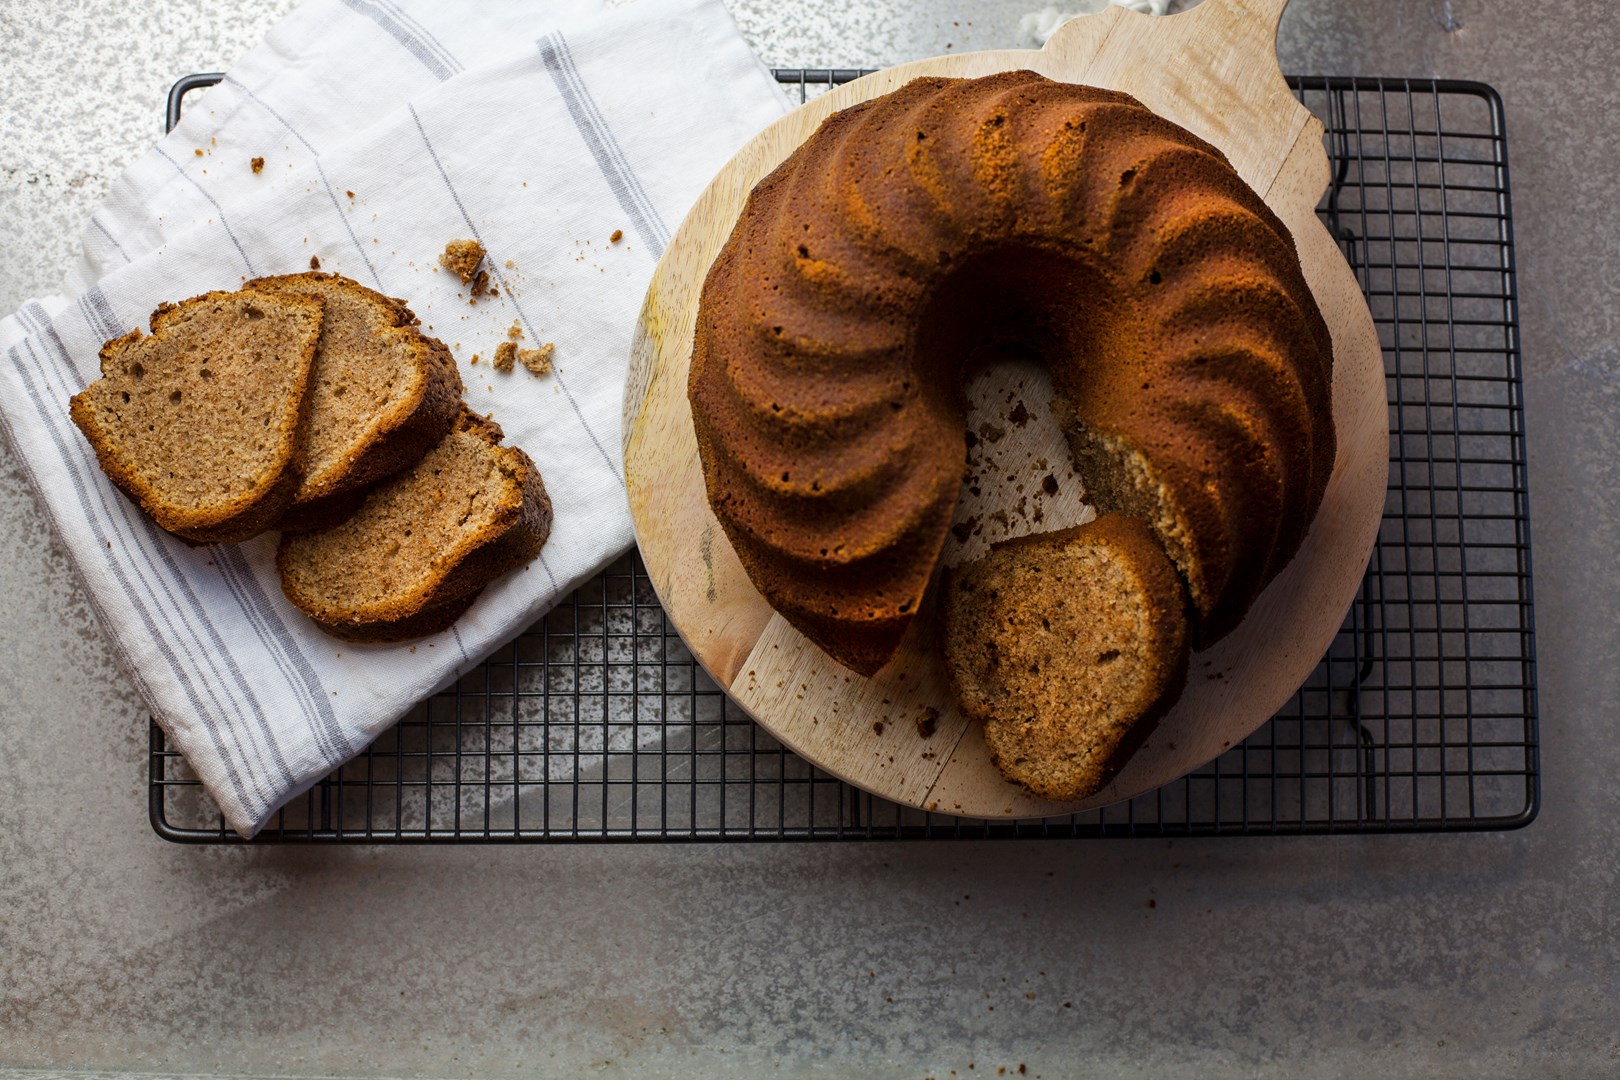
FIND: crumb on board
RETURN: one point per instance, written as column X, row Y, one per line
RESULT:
column 461, row 257
column 927, row 721
column 198, row 152
column 515, row 332
column 505, row 356
column 350, row 194
column 480, row 283
column 257, row 165
column 314, row 262
column 538, row 361
column 474, row 360
column 618, row 234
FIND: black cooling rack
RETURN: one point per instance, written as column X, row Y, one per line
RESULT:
column 595, row 724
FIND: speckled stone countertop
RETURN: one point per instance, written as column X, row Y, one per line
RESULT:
column 1392, row 956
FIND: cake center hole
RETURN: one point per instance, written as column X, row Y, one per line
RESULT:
column 1019, row 477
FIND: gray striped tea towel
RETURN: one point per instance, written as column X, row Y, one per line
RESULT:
column 385, row 134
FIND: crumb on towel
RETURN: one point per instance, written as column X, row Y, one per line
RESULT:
column 538, row 361
column 461, row 257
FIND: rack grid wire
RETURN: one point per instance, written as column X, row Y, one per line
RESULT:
column 595, row 724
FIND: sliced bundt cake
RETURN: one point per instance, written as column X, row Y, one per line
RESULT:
column 1070, row 646
column 199, row 422
column 382, row 394
column 424, row 543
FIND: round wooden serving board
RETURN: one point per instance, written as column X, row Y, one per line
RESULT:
column 1213, row 70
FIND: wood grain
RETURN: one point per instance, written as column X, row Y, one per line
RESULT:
column 1213, row 70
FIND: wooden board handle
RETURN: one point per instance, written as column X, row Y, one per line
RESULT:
column 1256, row 19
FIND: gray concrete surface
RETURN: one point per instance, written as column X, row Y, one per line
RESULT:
column 1460, row 955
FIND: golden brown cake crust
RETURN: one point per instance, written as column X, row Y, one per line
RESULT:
column 1192, row 369
column 174, row 418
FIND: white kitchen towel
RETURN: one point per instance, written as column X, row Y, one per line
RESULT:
column 615, row 123
column 327, row 71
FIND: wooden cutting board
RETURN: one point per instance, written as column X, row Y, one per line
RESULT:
column 898, row 734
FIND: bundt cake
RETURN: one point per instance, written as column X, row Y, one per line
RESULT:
column 1070, row 645
column 1191, row 367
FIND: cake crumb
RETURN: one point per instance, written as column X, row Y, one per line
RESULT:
column 1019, row 415
column 515, row 332
column 877, row 727
column 1050, row 484
column 350, row 194
column 198, row 153
column 927, row 722
column 314, row 262
column 538, row 361
column 461, row 257
column 618, row 234
column 505, row 355
column 474, row 360
column 480, row 283
column 257, row 165
column 991, row 433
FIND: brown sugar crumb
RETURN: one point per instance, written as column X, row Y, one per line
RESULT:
column 1050, row 484
column 1019, row 415
column 199, row 153
column 618, row 234
column 505, row 355
column 927, row 722
column 515, row 332
column 877, row 727
column 350, row 194
column 538, row 361
column 461, row 258
column 474, row 360
column 257, row 165
column 314, row 262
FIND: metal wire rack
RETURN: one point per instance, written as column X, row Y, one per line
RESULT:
column 595, row 724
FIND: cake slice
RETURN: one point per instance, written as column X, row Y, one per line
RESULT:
column 1070, row 646
column 382, row 394
column 198, row 423
column 424, row 543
